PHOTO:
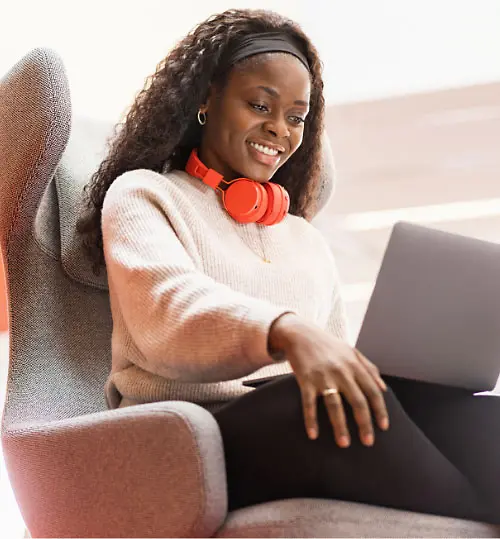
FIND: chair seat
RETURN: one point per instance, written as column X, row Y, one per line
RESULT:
column 333, row 518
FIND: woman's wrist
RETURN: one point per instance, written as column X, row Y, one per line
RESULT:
column 281, row 334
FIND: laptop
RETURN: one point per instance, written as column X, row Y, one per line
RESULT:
column 434, row 314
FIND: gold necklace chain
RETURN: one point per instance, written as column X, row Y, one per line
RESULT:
column 263, row 256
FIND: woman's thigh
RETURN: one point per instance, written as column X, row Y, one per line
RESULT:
column 464, row 427
column 269, row 456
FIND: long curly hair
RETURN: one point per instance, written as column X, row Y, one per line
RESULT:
column 161, row 127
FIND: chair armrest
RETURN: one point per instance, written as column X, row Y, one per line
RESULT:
column 152, row 470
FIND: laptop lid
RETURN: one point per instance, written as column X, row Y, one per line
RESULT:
column 434, row 314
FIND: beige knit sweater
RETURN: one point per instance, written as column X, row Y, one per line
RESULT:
column 192, row 297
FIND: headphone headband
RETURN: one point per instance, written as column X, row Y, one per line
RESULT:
column 197, row 169
column 247, row 201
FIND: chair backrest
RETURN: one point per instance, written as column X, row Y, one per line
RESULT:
column 60, row 321
column 59, row 313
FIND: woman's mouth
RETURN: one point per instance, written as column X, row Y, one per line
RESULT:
column 264, row 154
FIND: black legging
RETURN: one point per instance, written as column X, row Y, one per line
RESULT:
column 441, row 454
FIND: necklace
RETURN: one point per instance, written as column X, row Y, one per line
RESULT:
column 262, row 256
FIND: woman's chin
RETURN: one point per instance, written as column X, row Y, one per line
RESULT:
column 256, row 168
column 257, row 174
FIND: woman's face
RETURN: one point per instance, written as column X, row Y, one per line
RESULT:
column 256, row 122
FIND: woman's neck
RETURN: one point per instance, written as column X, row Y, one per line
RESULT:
column 211, row 160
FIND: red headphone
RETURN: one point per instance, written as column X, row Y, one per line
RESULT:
column 246, row 201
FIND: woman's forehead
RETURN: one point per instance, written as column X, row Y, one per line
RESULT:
column 281, row 71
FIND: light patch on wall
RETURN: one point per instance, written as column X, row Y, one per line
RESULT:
column 453, row 211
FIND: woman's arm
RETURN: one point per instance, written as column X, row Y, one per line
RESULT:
column 186, row 325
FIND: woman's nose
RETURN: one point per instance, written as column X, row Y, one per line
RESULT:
column 277, row 128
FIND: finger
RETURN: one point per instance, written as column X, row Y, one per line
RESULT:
column 372, row 369
column 360, row 408
column 374, row 395
column 336, row 414
column 309, row 406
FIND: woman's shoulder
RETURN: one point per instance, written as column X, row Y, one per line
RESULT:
column 305, row 226
column 304, row 230
column 148, row 185
column 141, row 179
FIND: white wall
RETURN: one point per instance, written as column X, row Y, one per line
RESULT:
column 371, row 48
column 109, row 46
column 376, row 48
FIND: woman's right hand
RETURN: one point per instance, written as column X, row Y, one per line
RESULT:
column 321, row 361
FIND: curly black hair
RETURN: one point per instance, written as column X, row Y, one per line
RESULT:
column 161, row 127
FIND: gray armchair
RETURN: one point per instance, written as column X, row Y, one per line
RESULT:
column 78, row 469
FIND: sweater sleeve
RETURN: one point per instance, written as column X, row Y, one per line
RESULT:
column 186, row 325
column 338, row 323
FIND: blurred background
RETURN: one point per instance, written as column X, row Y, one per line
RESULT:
column 413, row 112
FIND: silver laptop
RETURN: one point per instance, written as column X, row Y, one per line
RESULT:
column 434, row 314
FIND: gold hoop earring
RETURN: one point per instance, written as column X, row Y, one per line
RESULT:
column 202, row 120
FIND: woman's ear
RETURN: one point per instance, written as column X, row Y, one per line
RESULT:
column 214, row 95
column 206, row 105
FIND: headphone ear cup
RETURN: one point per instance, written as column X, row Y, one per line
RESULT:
column 286, row 204
column 245, row 200
column 278, row 205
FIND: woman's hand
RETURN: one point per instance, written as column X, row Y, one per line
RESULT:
column 320, row 362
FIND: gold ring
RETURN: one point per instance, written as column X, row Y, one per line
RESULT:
column 331, row 391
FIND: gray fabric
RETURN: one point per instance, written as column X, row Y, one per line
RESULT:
column 46, row 226
column 60, row 337
column 55, row 222
column 328, row 180
column 56, row 370
column 72, row 174
column 35, row 120
column 329, row 518
column 118, row 474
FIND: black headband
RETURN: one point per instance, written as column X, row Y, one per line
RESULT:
column 264, row 42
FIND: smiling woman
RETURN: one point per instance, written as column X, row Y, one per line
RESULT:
column 206, row 298
column 245, row 116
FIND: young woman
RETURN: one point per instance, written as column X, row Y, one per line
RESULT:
column 216, row 280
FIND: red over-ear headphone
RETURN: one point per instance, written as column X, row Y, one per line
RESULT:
column 246, row 201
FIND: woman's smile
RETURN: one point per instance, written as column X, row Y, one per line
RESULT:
column 265, row 155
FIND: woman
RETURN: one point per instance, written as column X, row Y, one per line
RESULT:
column 215, row 282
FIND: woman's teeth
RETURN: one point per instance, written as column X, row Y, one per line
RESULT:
column 263, row 149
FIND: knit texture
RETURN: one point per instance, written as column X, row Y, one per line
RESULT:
column 192, row 295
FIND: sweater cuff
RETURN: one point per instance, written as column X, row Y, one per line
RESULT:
column 257, row 323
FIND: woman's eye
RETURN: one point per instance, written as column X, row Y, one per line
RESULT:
column 297, row 120
column 260, row 108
